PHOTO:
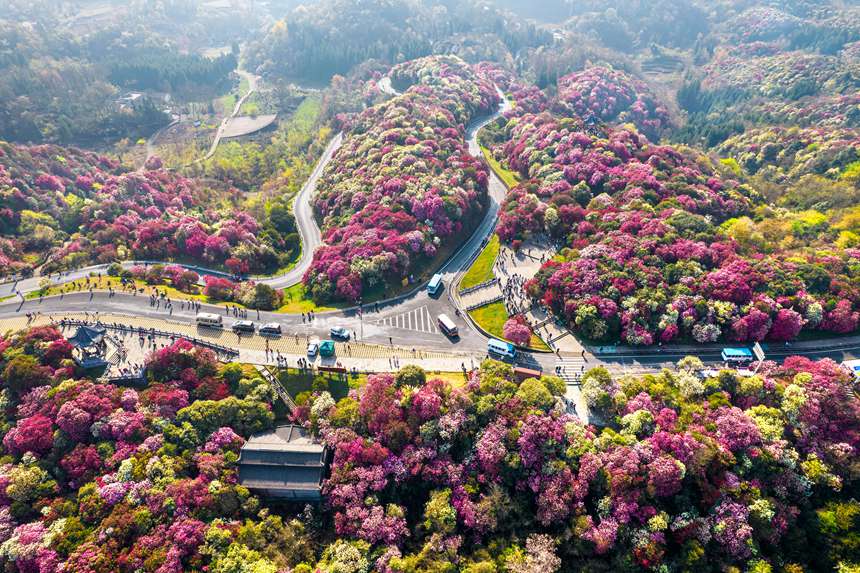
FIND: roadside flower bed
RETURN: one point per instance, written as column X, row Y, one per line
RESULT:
column 403, row 184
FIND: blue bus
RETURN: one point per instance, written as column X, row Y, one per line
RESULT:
column 435, row 285
column 739, row 355
column 500, row 348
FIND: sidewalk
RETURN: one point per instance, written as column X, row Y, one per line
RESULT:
column 515, row 268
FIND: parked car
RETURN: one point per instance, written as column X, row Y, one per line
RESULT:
column 327, row 348
column 244, row 326
column 271, row 329
column 339, row 333
column 313, row 348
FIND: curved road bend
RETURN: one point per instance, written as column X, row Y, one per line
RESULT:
column 305, row 222
column 304, row 213
column 411, row 320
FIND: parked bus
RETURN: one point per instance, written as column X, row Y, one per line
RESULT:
column 503, row 349
column 435, row 285
column 447, row 326
column 209, row 319
column 737, row 355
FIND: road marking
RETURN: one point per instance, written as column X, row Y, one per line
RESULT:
column 570, row 369
column 416, row 320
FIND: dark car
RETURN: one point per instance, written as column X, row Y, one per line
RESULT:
column 244, row 326
column 271, row 329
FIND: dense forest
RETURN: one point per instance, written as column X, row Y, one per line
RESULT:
column 687, row 170
column 63, row 86
column 335, row 35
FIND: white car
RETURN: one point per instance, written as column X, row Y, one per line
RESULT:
column 313, row 349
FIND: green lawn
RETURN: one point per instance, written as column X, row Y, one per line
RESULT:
column 510, row 178
column 296, row 301
column 482, row 269
column 297, row 382
column 492, row 318
column 103, row 282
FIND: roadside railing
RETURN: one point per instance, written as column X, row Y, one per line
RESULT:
column 225, row 351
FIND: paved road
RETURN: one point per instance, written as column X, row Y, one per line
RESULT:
column 408, row 321
column 307, row 225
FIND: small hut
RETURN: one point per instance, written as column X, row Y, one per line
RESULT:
column 286, row 463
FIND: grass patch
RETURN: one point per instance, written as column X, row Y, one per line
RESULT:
column 482, row 269
column 297, row 382
column 510, row 178
column 455, row 379
column 492, row 318
column 103, row 282
column 296, row 301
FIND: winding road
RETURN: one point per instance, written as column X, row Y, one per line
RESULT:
column 407, row 321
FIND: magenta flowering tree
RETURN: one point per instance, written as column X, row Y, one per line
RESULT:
column 640, row 223
column 33, row 434
column 612, row 95
column 637, row 488
column 517, row 330
column 683, row 471
column 152, row 214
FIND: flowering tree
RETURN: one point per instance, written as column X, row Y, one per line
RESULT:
column 517, row 331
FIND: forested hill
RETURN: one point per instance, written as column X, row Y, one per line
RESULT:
column 338, row 34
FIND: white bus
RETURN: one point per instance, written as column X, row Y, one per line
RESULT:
column 503, row 349
column 447, row 326
column 209, row 319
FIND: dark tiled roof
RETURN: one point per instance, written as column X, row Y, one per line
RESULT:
column 286, row 462
column 87, row 336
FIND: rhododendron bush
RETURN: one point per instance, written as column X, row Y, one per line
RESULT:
column 80, row 207
column 99, row 478
column 681, row 471
column 660, row 243
column 403, row 184
column 785, row 155
column 689, row 472
column 766, row 70
column 611, row 95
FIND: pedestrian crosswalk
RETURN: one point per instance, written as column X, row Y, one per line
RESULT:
column 571, row 369
column 418, row 320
